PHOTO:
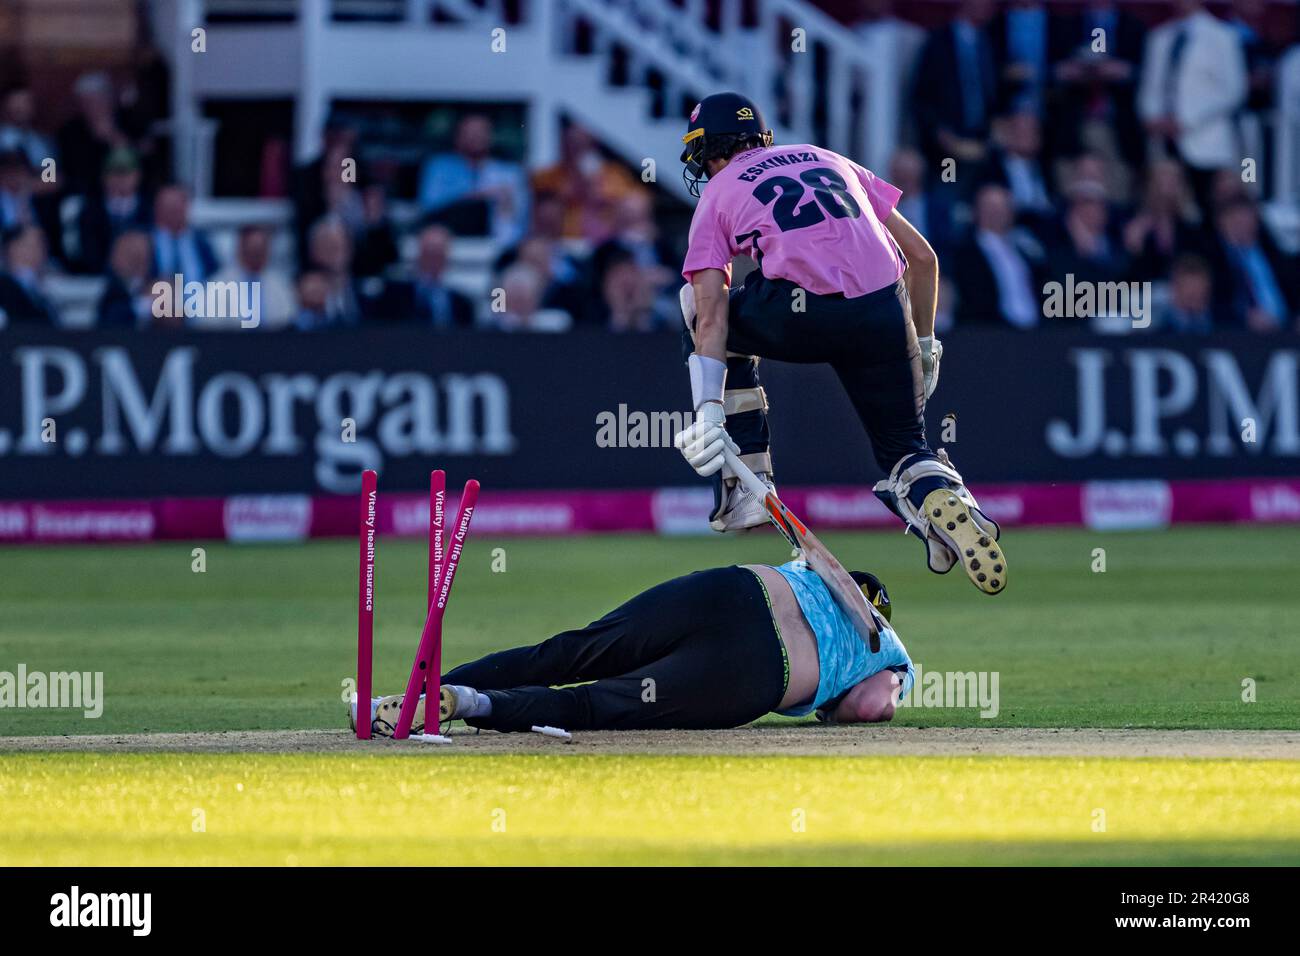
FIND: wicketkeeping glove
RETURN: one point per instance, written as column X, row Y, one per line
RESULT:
column 931, row 353
column 703, row 442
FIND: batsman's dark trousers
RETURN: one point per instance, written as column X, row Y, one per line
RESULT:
column 700, row 651
column 869, row 341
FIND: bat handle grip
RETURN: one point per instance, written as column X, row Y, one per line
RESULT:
column 748, row 479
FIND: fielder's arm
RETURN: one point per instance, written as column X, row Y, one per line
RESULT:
column 711, row 302
column 922, row 276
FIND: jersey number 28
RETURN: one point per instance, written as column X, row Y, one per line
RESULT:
column 828, row 188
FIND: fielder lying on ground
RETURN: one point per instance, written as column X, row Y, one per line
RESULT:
column 714, row 649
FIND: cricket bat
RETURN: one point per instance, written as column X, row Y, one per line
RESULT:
column 825, row 565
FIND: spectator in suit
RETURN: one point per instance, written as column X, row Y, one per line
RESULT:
column 627, row 297
column 318, row 186
column 313, row 301
column 86, row 140
column 330, row 256
column 907, row 172
column 955, row 89
column 998, row 270
column 523, row 287
column 1096, row 53
column 127, row 299
column 1165, row 224
column 23, row 204
column 17, row 132
column 374, row 237
column 1249, row 18
column 1227, row 187
column 22, row 300
column 918, row 205
column 1254, row 279
column 1099, row 168
column 1086, row 247
column 178, row 248
column 1194, row 82
column 1021, row 40
column 253, row 264
column 638, row 238
column 638, row 235
column 547, row 250
column 120, row 206
column 564, row 281
column 472, row 193
column 1190, row 307
column 17, row 205
column 425, row 297
column 1016, row 162
column 321, row 189
column 145, row 109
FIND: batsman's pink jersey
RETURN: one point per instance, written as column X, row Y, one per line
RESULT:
column 805, row 214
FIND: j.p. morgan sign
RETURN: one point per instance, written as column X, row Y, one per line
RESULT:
column 118, row 402
column 1181, row 404
column 126, row 416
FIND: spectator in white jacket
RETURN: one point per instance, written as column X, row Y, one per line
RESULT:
column 1194, row 82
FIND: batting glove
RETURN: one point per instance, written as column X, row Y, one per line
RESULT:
column 931, row 353
column 703, row 443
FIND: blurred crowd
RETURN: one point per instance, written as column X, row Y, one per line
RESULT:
column 1028, row 153
column 574, row 243
column 1034, row 153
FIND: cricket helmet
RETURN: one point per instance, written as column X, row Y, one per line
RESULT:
column 720, row 126
column 874, row 590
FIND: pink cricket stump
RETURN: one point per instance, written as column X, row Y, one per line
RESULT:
column 430, row 650
column 437, row 513
column 437, row 521
column 367, row 528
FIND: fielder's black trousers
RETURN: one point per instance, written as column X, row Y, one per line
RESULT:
column 700, row 651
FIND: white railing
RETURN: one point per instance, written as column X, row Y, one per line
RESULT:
column 803, row 67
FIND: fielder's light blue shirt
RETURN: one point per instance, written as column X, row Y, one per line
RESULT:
column 844, row 657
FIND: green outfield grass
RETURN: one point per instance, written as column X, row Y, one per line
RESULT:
column 129, row 809
column 266, row 636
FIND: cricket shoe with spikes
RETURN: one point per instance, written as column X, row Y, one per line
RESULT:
column 949, row 520
column 970, row 536
column 736, row 509
column 386, row 713
column 456, row 702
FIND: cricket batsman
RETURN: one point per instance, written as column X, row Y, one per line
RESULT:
column 842, row 278
column 710, row 650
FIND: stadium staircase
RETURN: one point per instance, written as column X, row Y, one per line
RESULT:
column 627, row 69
